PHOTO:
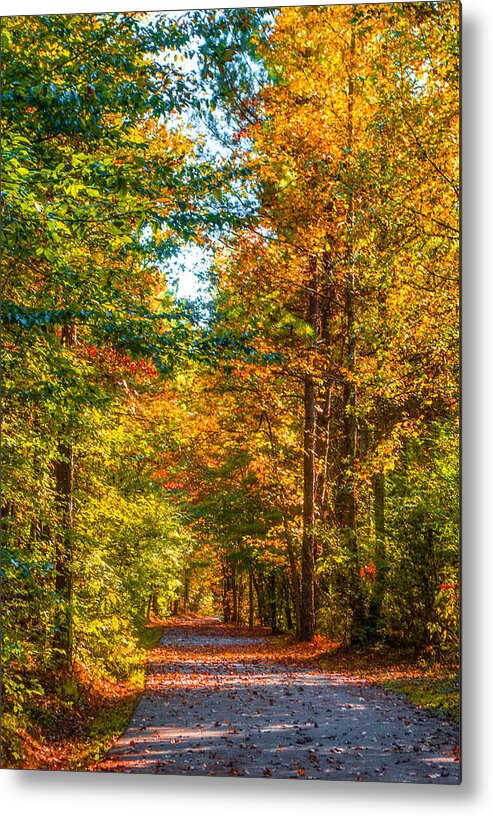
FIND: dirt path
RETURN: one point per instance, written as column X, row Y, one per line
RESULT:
column 220, row 703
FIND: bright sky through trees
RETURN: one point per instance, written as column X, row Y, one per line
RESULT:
column 187, row 274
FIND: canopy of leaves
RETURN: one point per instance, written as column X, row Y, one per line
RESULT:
column 154, row 450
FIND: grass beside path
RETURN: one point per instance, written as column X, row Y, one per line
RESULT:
column 440, row 694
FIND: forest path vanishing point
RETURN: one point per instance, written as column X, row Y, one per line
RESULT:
column 220, row 702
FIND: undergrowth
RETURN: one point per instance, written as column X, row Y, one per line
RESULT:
column 76, row 720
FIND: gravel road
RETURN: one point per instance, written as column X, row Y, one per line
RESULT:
column 217, row 704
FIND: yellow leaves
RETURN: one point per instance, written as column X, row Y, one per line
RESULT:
column 385, row 456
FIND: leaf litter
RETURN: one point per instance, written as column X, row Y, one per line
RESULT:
column 218, row 697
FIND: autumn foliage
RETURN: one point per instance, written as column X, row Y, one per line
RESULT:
column 284, row 451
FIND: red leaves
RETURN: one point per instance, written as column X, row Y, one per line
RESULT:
column 450, row 587
column 119, row 362
column 162, row 475
column 368, row 571
column 143, row 367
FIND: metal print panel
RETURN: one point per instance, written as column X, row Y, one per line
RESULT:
column 230, row 438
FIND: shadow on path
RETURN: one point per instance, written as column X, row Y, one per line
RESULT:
column 219, row 701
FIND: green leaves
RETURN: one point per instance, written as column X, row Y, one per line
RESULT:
column 85, row 161
column 144, row 435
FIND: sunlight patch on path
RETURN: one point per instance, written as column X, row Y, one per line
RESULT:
column 206, row 712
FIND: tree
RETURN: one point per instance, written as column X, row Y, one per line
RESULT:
column 347, row 142
column 93, row 194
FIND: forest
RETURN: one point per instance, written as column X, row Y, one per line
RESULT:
column 279, row 445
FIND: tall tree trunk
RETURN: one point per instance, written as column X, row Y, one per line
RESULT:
column 155, row 604
column 239, row 601
column 186, row 591
column 62, row 642
column 294, row 574
column 260, row 600
column 307, row 623
column 323, row 440
column 374, row 612
column 293, row 569
column 273, row 603
column 62, row 635
column 226, row 603
column 349, row 518
column 287, row 605
column 349, row 396
column 250, row 599
column 235, row 594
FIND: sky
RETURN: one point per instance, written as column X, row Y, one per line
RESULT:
column 184, row 273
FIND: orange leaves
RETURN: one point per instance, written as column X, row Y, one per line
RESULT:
column 161, row 475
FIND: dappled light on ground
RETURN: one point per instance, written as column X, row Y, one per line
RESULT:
column 227, row 701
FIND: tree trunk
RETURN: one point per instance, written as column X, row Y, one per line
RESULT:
column 273, row 603
column 250, row 599
column 62, row 642
column 287, row 606
column 307, row 623
column 226, row 603
column 323, row 438
column 239, row 591
column 62, row 634
column 293, row 570
column 260, row 602
column 186, row 591
column 234, row 587
column 374, row 612
column 349, row 510
column 349, row 397
column 155, row 604
column 295, row 578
